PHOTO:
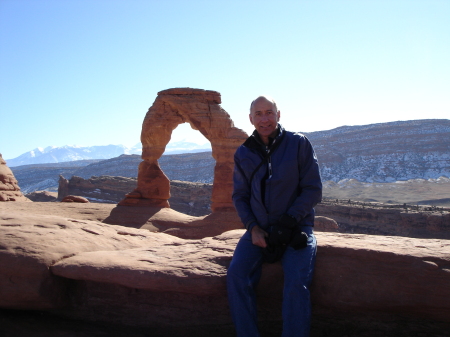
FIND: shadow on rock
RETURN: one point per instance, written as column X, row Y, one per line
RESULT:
column 171, row 222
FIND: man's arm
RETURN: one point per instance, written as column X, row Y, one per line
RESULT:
column 241, row 200
column 241, row 196
column 310, row 183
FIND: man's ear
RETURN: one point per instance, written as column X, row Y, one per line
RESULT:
column 251, row 118
column 278, row 115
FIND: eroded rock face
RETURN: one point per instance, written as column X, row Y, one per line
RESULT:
column 202, row 110
column 9, row 188
column 379, row 219
column 185, row 197
column 63, row 187
column 97, row 272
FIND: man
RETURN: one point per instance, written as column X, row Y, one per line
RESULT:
column 276, row 185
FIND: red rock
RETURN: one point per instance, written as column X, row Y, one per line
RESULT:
column 201, row 109
column 9, row 188
column 42, row 196
column 74, row 198
column 63, row 187
column 93, row 271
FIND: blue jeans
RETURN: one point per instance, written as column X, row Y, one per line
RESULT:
column 244, row 273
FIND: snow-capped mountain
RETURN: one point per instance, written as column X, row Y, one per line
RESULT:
column 53, row 154
column 183, row 146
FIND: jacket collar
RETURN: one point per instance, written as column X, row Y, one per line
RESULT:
column 255, row 142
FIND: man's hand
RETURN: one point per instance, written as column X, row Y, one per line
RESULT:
column 259, row 236
column 282, row 230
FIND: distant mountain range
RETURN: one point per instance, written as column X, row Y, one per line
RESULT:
column 69, row 153
column 384, row 152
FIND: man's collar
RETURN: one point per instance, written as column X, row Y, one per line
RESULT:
column 279, row 130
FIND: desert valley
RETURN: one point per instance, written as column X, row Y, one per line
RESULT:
column 139, row 245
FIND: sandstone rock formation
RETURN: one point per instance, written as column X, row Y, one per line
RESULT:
column 201, row 109
column 96, row 272
column 75, row 198
column 9, row 188
column 63, row 187
column 42, row 196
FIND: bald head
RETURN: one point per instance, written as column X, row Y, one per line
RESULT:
column 262, row 99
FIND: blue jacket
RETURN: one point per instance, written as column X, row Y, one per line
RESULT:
column 283, row 178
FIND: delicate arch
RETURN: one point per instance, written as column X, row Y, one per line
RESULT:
column 202, row 110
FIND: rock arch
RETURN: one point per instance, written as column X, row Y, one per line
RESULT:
column 201, row 109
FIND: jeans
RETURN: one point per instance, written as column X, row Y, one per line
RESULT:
column 244, row 273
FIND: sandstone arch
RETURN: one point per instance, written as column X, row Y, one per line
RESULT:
column 202, row 110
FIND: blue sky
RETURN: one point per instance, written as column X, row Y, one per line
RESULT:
column 84, row 73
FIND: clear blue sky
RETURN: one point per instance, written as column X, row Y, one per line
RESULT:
column 76, row 72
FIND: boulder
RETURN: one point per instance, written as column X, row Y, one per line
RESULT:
column 74, row 198
column 97, row 272
column 9, row 188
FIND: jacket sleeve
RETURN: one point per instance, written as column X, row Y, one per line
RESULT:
column 309, row 185
column 241, row 196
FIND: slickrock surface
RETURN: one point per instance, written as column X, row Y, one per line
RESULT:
column 202, row 110
column 92, row 271
column 73, row 210
column 9, row 188
column 150, row 218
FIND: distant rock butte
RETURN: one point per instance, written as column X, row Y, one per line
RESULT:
column 9, row 188
column 97, row 272
column 42, row 196
column 202, row 110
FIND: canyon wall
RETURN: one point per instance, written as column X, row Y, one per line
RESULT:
column 186, row 197
column 383, row 219
column 384, row 152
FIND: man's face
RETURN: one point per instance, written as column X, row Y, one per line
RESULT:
column 264, row 117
